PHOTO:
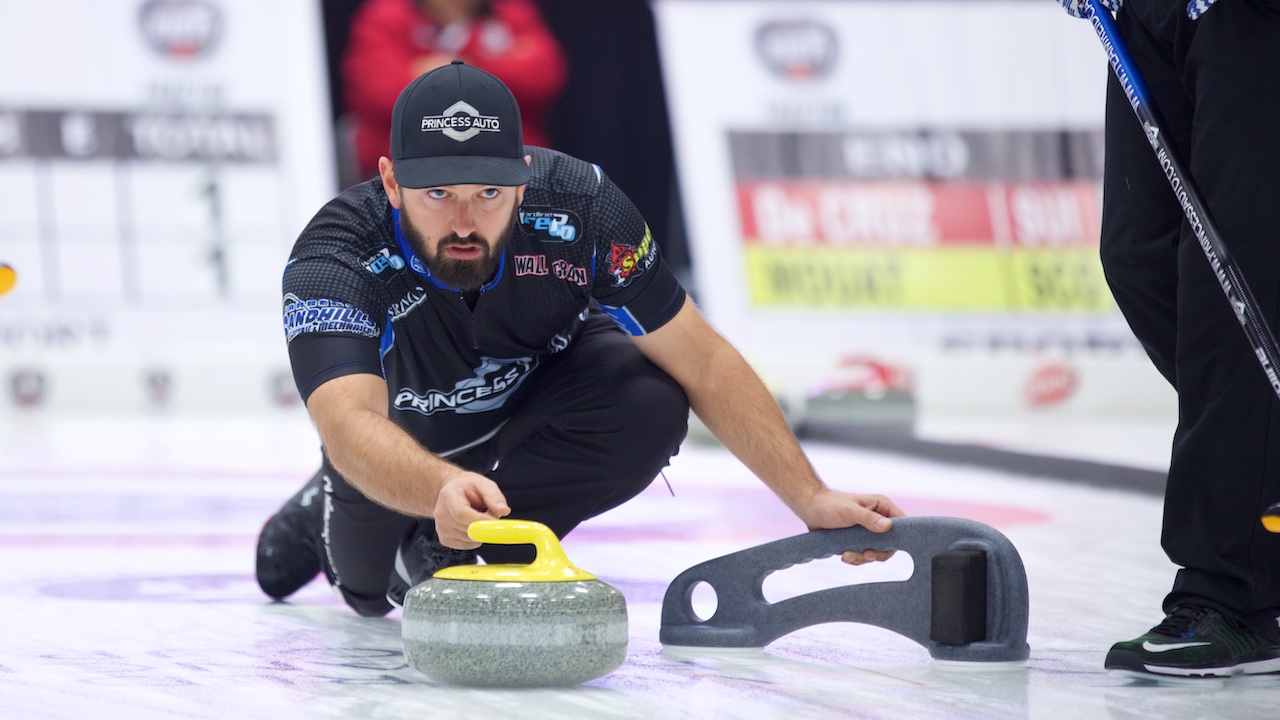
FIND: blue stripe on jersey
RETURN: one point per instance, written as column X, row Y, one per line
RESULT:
column 502, row 265
column 674, row 294
column 388, row 338
column 625, row 320
column 384, row 347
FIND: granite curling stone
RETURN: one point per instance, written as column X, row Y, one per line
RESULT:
column 546, row 624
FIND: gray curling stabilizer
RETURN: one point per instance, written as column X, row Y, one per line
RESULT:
column 966, row 600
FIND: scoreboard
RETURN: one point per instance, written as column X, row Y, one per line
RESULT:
column 157, row 160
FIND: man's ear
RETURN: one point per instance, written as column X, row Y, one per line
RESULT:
column 389, row 181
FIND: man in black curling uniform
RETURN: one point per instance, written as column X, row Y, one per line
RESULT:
column 487, row 329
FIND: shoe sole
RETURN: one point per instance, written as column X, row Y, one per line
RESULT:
column 1159, row 679
column 1130, row 665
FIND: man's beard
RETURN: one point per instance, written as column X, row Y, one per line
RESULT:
column 466, row 275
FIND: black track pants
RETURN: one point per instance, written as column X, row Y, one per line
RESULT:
column 1216, row 83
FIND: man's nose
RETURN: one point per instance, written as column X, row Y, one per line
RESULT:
column 463, row 221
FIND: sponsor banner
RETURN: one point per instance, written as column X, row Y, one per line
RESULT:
column 1065, row 280
column 919, row 214
column 846, row 163
column 901, row 180
column 923, row 246
column 933, row 153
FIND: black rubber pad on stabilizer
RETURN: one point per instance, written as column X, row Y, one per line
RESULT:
column 959, row 609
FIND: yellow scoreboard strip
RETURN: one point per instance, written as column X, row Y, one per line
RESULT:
column 954, row 277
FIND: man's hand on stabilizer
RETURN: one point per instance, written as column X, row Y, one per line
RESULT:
column 464, row 499
column 834, row 509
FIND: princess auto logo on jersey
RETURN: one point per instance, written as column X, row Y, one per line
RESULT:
column 461, row 122
column 323, row 315
column 627, row 262
column 382, row 261
column 797, row 49
column 550, row 224
column 180, row 29
column 494, row 382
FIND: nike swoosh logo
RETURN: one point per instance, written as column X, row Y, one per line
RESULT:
column 1149, row 647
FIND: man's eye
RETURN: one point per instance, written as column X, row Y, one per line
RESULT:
column 436, row 194
column 489, row 193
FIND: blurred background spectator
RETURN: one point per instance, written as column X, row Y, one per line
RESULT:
column 611, row 108
column 391, row 42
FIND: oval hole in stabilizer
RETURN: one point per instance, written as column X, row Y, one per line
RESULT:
column 704, row 601
column 832, row 572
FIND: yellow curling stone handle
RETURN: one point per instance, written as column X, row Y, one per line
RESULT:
column 550, row 564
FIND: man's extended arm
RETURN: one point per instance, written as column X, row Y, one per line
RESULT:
column 390, row 467
column 729, row 397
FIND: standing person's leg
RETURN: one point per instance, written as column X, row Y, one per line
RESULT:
column 1141, row 219
column 1225, row 468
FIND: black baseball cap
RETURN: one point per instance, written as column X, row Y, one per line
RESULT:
column 457, row 125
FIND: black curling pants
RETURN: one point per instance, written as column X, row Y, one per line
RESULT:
column 597, row 428
column 1216, row 83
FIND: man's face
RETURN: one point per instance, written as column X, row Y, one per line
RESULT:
column 459, row 231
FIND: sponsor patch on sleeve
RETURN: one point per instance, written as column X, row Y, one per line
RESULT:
column 384, row 264
column 628, row 262
column 324, row 315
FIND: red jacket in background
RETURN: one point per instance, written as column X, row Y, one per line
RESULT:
column 388, row 36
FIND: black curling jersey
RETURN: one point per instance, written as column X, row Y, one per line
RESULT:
column 357, row 299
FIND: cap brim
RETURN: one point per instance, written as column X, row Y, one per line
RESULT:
column 460, row 170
